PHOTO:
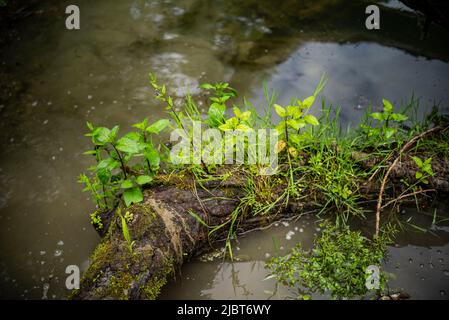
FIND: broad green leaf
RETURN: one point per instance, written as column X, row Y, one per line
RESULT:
column 242, row 127
column 295, row 124
column 141, row 125
column 418, row 175
column 136, row 136
column 133, row 195
column 245, row 116
column 307, row 103
column 113, row 134
column 388, row 107
column 216, row 114
column 389, row 132
column 237, row 112
column 141, row 180
column 128, row 145
column 225, row 127
column 207, row 86
column 109, row 164
column 126, row 184
column 398, row 117
column 299, row 138
column 311, row 120
column 293, row 111
column 158, row 126
column 100, row 135
column 377, row 116
column 418, row 161
column 152, row 156
column 104, row 175
column 280, row 111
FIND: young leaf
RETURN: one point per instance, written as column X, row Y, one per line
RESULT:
column 243, row 128
column 128, row 145
column 133, row 195
column 398, row 117
column 418, row 161
column 377, row 116
column 388, row 107
column 141, row 180
column 307, row 103
column 389, row 132
column 280, row 111
column 158, row 126
column 141, row 125
column 127, row 184
column 207, row 86
column 152, row 156
column 100, row 135
column 293, row 111
column 311, row 120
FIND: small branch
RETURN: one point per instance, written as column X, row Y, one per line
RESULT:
column 406, row 196
column 404, row 149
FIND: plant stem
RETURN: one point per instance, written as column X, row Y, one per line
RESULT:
column 121, row 161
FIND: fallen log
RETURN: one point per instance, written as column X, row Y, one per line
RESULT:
column 166, row 233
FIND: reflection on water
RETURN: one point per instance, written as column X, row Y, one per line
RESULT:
column 56, row 80
column 418, row 263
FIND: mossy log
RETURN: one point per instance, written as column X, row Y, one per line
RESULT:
column 166, row 234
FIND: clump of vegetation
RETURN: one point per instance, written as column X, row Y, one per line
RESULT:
column 337, row 264
column 124, row 164
column 316, row 165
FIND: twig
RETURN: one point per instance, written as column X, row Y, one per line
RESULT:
column 406, row 196
column 404, row 149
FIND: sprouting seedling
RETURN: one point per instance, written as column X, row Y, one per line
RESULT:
column 125, row 229
column 296, row 117
column 425, row 169
column 386, row 117
column 239, row 122
column 217, row 109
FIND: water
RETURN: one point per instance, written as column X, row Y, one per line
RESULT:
column 56, row 80
column 417, row 263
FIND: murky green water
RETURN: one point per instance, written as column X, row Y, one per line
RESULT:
column 64, row 78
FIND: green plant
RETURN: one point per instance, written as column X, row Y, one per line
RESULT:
column 337, row 263
column 425, row 169
column 126, row 234
column 96, row 221
column 295, row 117
column 388, row 123
column 223, row 92
column 124, row 164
